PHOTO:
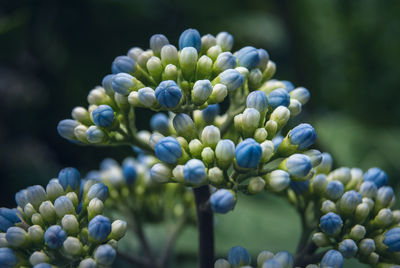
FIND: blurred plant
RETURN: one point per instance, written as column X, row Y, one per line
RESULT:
column 244, row 149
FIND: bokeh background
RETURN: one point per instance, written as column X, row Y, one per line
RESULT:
column 346, row 53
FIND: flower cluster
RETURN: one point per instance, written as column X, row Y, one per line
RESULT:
column 62, row 224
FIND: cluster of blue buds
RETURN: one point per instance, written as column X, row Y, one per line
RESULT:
column 60, row 225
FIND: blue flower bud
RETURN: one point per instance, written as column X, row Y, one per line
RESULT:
column 55, row 236
column 368, row 189
column 332, row 259
column 301, row 94
column 288, row 85
column 392, row 240
column 210, row 113
column 222, row 201
column 224, row 61
column 157, row 42
column 168, row 94
column 147, row 96
column 239, row 256
column 202, row 89
column 66, row 127
column 8, row 218
column 285, row 259
column 107, row 83
column 21, row 198
column 303, row 135
column 366, row 246
column 98, row 190
column 87, row 263
column 257, row 100
column 298, row 165
column 63, row 205
column 279, row 97
column 300, row 187
column 264, row 58
column 384, row 197
column 122, row 83
column 348, row 248
column 225, row 41
column 95, row 134
column 42, row 265
column 69, row 177
column 349, row 201
column 248, row 57
column 190, row 38
column 232, row 79
column 272, row 263
column 105, row 255
column 16, row 236
column 168, row 150
column 123, row 64
column 8, row 259
column 99, row 228
column 331, row 223
column 159, row 122
column 129, row 172
column 194, row 171
column 103, row 116
column 248, row 153
column 334, row 190
column 377, row 176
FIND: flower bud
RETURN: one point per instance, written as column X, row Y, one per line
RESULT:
column 168, row 94
column 300, row 137
column 320, row 239
column 204, row 67
column 168, row 150
column 384, row 197
column 263, row 257
column 103, row 116
column 248, row 153
column 278, row 180
column 280, row 115
column 278, row 97
column 357, row 232
column 144, row 57
column 97, row 96
column 210, row 113
column 63, row 205
column 377, row 176
column 216, row 175
column 294, row 107
column 160, row 173
column 383, row 218
column 123, row 64
column 391, row 240
column 35, row 195
column 129, row 172
column 154, row 67
column 267, row 150
column 301, row 94
column 87, row 263
column 257, row 100
column 8, row 259
column 250, row 121
column 107, row 85
column 255, row 77
column 239, row 256
column 331, row 223
column 65, row 128
column 169, row 55
column 188, row 62
column 35, row 233
column 271, row 263
column 38, row 219
column 134, row 53
column 95, row 207
column 256, row 185
column 348, row 248
column 328, row 206
column 194, row 171
column 224, row 62
column 147, row 96
column 225, row 41
column 123, row 83
column 70, row 224
column 190, row 38
column 285, row 259
column 264, row 58
column 248, row 57
column 159, row 122
column 260, row 135
column 208, row 156
column 349, row 202
column 222, row 263
column 231, row 78
column 99, row 228
column 157, row 42
column 69, row 178
column 47, row 211
column 95, row 135
column 319, row 183
column 210, row 136
column 184, row 125
column 207, row 41
column 72, row 246
column 170, row 72
column 326, row 164
column 332, row 259
column 225, row 152
column 315, row 156
column 202, row 89
column 54, row 236
column 269, row 70
column 368, row 189
column 118, row 229
column 218, row 94
column 362, row 212
column 334, row 190
column 366, row 246
column 298, row 165
column 80, row 114
column 38, row 257
column 16, row 237
column 214, row 51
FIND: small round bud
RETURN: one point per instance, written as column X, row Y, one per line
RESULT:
column 377, row 176
column 216, row 175
column 278, row 97
column 357, row 232
column 224, row 40
column 123, row 64
column 157, row 42
column 248, row 153
column 160, row 173
column 169, row 55
column 147, row 96
column 348, row 248
column 232, row 79
column 366, row 246
column 218, row 94
column 105, row 255
column 123, row 83
column 63, row 205
column 278, row 180
column 263, row 257
column 326, row 164
column 168, row 94
column 99, row 228
column 256, row 185
column 184, row 125
column 334, row 190
column 190, row 38
column 332, row 259
column 16, row 236
column 224, row 62
column 210, row 136
column 194, row 171
column 95, row 135
column 159, row 122
column 225, row 152
column 248, row 57
column 328, row 206
column 331, row 223
column 320, row 239
column 35, row 233
column 38, row 257
column 65, row 128
column 72, row 246
column 202, row 89
column 239, row 256
column 54, row 236
column 168, row 150
column 118, row 229
column 222, row 201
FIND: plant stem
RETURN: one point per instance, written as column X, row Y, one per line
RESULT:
column 205, row 226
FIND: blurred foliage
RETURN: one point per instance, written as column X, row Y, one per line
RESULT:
column 346, row 52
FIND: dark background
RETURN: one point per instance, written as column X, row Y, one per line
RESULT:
column 53, row 52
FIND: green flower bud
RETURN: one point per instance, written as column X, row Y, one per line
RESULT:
column 272, row 127
column 29, row 210
column 188, row 61
column 95, row 208
column 216, row 175
column 17, row 237
column 277, row 180
column 366, row 246
column 207, row 155
column 3, row 241
column 160, row 173
column 118, row 229
column 35, row 233
column 250, row 121
column 54, row 190
column 72, row 246
column 122, row 101
column 184, row 125
column 213, row 52
column 73, row 197
column 170, row 72
column 315, row 156
column 237, row 122
column 260, row 135
column 195, row 148
column 81, row 114
column 177, row 172
column 210, row 136
column 154, row 138
column 328, row 206
column 320, row 239
column 80, row 133
column 263, row 257
column 202, row 90
column 207, row 41
column 255, row 77
column 326, row 164
column 38, row 219
column 373, row 258
column 342, row 174
column 319, row 183
column 47, row 211
column 357, row 178
column 362, row 212
column 383, row 219
column 222, row 263
column 280, row 115
column 269, row 71
column 63, row 205
column 396, row 216
column 225, row 153
column 256, row 185
column 98, row 96
column 267, row 151
column 218, row 94
column 357, row 232
column 169, row 55
column 155, row 68
column 369, row 202
column 144, row 57
column 294, row 107
column 204, row 67
column 38, row 257
column 70, row 224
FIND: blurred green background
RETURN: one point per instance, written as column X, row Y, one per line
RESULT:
column 345, row 52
